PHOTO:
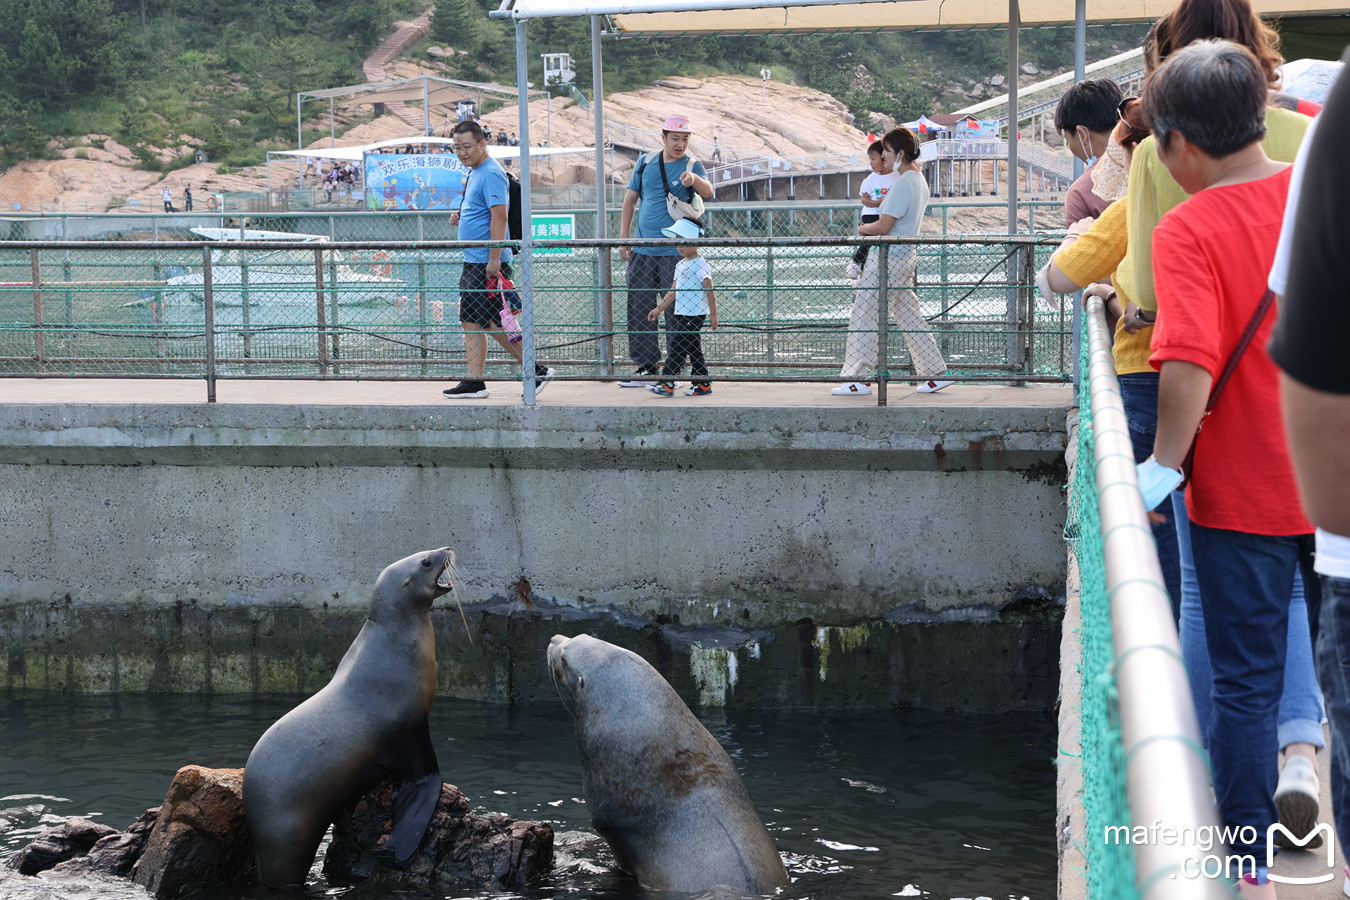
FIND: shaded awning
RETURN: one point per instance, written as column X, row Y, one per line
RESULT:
column 672, row 17
column 436, row 91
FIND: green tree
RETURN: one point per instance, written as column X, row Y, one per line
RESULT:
column 458, row 24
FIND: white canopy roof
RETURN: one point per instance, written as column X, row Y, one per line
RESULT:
column 669, row 17
column 355, row 153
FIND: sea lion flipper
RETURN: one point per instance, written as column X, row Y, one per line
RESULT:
column 414, row 802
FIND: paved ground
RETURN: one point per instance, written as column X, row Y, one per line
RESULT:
column 501, row 393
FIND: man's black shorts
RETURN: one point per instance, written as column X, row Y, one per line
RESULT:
column 475, row 305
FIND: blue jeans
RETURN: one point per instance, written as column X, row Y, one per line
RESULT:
column 1333, row 665
column 1300, row 716
column 1139, row 392
column 1245, row 582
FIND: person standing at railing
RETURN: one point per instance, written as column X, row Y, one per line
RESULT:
column 167, row 196
column 1309, row 274
column 1248, row 531
column 187, row 198
column 651, row 270
column 482, row 216
column 1151, row 193
column 900, row 215
column 871, row 192
column 1085, row 117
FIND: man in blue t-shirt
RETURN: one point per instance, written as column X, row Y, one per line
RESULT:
column 651, row 270
column 482, row 217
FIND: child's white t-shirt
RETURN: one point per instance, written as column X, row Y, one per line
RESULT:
column 690, row 298
column 876, row 186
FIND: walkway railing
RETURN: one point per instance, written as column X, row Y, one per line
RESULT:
column 1142, row 761
column 390, row 310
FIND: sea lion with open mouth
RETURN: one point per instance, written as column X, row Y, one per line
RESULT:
column 660, row 789
column 367, row 724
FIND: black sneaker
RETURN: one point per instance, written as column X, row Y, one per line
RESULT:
column 542, row 374
column 467, row 390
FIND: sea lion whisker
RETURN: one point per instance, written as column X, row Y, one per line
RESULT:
column 553, row 677
column 451, row 573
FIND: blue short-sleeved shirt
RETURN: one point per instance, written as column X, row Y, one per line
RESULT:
column 487, row 187
column 652, row 215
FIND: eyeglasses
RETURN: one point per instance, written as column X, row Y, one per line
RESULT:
column 464, row 148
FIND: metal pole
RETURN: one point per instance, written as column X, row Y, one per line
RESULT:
column 299, row 142
column 1014, row 23
column 883, row 318
column 426, row 108
column 526, row 252
column 1010, row 316
column 38, row 337
column 601, row 216
column 209, row 304
column 318, row 301
column 1079, row 58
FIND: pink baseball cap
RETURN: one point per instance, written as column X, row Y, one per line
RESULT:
column 678, row 123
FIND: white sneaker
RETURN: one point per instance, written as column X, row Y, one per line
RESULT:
column 932, row 387
column 853, row 387
column 641, row 379
column 853, row 271
column 1296, row 799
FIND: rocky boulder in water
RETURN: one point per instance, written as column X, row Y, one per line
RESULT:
column 200, row 835
column 72, row 838
column 117, row 853
column 460, row 851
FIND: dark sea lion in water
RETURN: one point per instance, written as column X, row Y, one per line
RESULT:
column 660, row 789
column 367, row 724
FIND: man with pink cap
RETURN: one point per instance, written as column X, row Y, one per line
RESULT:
column 651, row 270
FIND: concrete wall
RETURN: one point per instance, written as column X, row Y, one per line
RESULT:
column 801, row 556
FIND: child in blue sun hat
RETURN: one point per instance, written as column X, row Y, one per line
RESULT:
column 695, row 301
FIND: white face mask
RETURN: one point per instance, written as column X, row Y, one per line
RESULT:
column 1089, row 160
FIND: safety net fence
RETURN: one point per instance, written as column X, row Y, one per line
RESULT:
column 310, row 307
column 1140, row 755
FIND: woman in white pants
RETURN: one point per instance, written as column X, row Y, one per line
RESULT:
column 901, row 213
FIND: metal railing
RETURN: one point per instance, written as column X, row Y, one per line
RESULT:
column 389, row 310
column 782, row 218
column 1143, row 762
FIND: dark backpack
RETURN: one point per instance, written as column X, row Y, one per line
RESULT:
column 514, row 227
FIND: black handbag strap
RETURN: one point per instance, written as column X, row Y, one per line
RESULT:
column 1245, row 341
column 665, row 182
column 1248, row 335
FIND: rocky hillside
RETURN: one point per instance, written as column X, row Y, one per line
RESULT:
column 96, row 173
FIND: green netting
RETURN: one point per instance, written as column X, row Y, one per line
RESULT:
column 1110, row 867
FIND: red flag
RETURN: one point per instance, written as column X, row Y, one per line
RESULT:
column 972, row 123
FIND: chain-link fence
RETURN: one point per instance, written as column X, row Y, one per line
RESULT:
column 787, row 309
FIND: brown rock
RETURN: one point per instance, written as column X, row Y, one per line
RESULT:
column 460, row 851
column 115, row 854
column 201, row 836
column 72, row 838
